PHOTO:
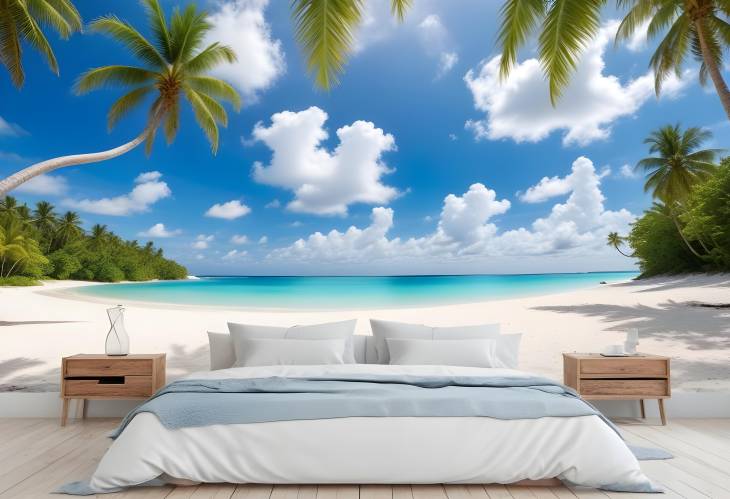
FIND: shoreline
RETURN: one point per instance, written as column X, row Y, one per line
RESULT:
column 67, row 291
column 39, row 325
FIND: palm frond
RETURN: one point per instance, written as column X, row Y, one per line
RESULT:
column 113, row 75
column 518, row 19
column 214, row 107
column 171, row 123
column 639, row 13
column 670, row 53
column 187, row 31
column 210, row 57
column 10, row 51
column 125, row 34
column 324, row 29
column 215, row 88
column 64, row 21
column 29, row 31
column 126, row 104
column 204, row 118
column 399, row 8
column 158, row 25
column 568, row 27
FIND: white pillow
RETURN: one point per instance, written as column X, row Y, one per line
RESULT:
column 327, row 331
column 276, row 352
column 508, row 350
column 222, row 355
column 391, row 329
column 467, row 353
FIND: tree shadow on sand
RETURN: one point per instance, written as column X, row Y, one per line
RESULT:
column 47, row 381
column 664, row 283
column 699, row 328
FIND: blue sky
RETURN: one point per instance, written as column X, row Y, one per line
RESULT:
column 437, row 165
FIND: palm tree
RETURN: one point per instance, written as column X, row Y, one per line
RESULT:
column 174, row 67
column 20, row 23
column 678, row 166
column 98, row 235
column 696, row 26
column 45, row 221
column 9, row 207
column 325, row 28
column 615, row 241
column 69, row 228
column 566, row 26
column 13, row 247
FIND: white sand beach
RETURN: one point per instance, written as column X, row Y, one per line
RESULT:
column 39, row 325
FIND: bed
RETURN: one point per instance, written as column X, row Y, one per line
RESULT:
column 365, row 423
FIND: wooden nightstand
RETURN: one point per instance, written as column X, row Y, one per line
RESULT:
column 86, row 377
column 638, row 377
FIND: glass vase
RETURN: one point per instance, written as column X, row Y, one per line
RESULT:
column 117, row 340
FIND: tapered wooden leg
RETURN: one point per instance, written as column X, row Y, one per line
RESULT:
column 64, row 412
column 80, row 408
column 661, row 412
column 643, row 409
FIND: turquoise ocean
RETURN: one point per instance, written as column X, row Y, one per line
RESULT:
column 355, row 292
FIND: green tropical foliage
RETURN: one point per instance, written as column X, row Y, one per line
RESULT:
column 21, row 22
column 679, row 165
column 38, row 244
column 174, row 67
column 565, row 27
column 325, row 29
column 705, row 222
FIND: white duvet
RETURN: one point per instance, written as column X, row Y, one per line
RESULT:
column 583, row 450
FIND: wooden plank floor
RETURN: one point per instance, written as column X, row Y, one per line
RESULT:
column 37, row 455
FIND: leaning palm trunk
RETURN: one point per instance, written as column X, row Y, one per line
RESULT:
column 684, row 238
column 49, row 165
column 712, row 68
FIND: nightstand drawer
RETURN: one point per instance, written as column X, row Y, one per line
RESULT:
column 108, row 367
column 109, row 386
column 636, row 368
column 625, row 387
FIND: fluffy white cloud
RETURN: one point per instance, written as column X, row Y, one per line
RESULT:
column 274, row 203
column 47, row 185
column 148, row 190
column 627, row 171
column 582, row 221
column 239, row 239
column 519, row 108
column 11, row 129
column 263, row 240
column 464, row 219
column 228, row 211
column 202, row 241
column 465, row 229
column 547, row 188
column 159, row 231
column 234, row 254
column 436, row 41
column 324, row 182
column 241, row 25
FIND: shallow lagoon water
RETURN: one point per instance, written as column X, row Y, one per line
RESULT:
column 348, row 292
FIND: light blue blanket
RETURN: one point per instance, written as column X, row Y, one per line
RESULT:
column 191, row 403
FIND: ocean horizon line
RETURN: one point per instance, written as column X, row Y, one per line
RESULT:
column 238, row 276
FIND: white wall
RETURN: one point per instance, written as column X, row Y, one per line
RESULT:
column 681, row 405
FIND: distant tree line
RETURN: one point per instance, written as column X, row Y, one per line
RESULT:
column 37, row 243
column 688, row 227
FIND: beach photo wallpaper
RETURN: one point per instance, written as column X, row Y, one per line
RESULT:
column 170, row 166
